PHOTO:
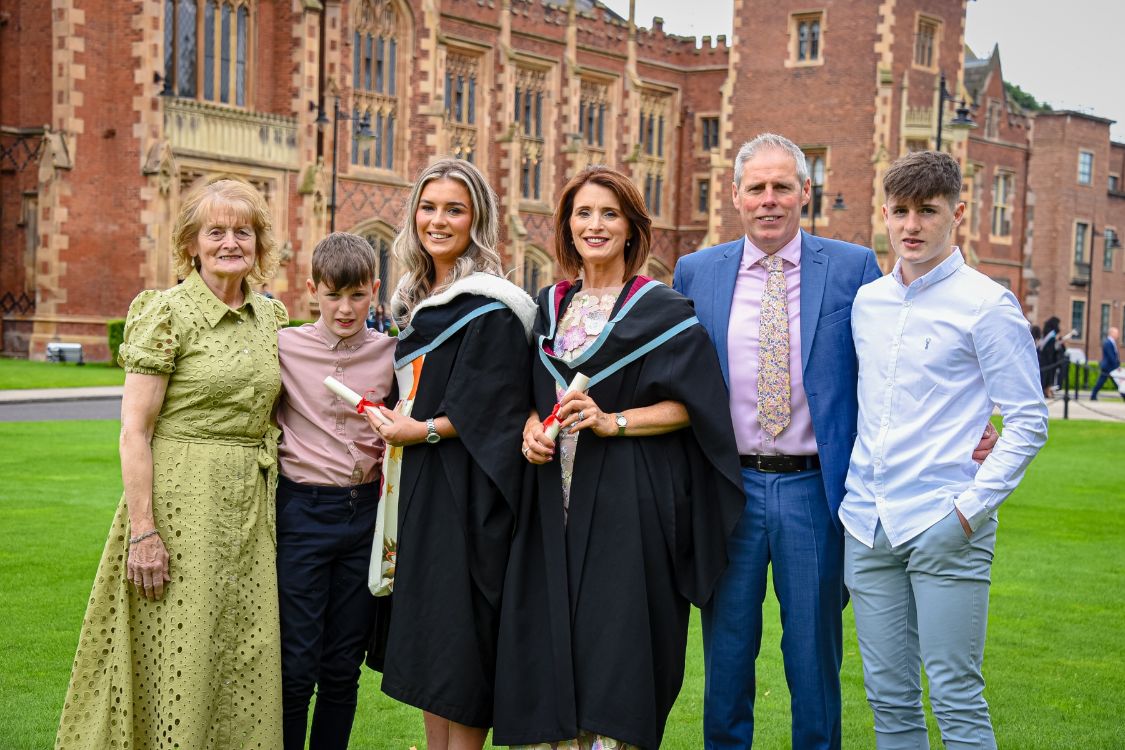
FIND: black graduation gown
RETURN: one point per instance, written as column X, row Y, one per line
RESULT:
column 595, row 616
column 457, row 507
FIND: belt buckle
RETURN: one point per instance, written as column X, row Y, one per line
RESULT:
column 763, row 469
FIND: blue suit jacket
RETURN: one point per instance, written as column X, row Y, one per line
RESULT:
column 1110, row 358
column 831, row 274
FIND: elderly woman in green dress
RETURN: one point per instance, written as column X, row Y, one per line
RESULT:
column 180, row 645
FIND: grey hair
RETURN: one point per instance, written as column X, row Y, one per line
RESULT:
column 768, row 141
column 418, row 280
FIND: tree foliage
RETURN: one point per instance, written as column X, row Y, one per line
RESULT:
column 1026, row 100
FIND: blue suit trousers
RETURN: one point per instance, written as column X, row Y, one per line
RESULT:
column 787, row 523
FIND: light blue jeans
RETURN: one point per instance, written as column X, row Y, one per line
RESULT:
column 924, row 602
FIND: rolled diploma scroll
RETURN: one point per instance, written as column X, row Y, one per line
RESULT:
column 351, row 397
column 551, row 424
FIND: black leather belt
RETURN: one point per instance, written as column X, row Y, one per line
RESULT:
column 780, row 464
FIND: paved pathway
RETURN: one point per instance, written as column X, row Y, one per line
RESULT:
column 42, row 404
column 105, row 403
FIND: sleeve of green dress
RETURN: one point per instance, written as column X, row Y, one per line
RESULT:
column 280, row 313
column 151, row 341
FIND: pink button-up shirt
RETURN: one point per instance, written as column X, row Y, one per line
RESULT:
column 324, row 440
column 742, row 355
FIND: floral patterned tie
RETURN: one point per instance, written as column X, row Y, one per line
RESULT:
column 773, row 351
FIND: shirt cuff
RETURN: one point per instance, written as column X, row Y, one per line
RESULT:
column 973, row 508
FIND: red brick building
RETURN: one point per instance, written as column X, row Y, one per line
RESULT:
column 1075, row 186
column 995, row 175
column 111, row 110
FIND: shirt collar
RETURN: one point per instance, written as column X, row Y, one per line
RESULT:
column 325, row 333
column 942, row 271
column 213, row 308
column 790, row 252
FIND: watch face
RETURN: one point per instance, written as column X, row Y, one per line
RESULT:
column 621, row 421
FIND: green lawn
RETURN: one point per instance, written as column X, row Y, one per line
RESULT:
column 1056, row 639
column 20, row 373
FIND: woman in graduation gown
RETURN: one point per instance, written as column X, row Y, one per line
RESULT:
column 462, row 366
column 633, row 502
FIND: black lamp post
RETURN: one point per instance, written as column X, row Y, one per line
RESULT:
column 814, row 208
column 961, row 120
column 363, row 134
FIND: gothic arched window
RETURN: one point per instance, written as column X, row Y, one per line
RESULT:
column 207, row 49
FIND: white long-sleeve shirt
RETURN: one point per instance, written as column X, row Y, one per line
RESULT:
column 934, row 357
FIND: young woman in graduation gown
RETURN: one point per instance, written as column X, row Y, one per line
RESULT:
column 462, row 364
column 633, row 502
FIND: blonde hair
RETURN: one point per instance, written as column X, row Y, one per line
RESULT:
column 247, row 203
column 418, row 280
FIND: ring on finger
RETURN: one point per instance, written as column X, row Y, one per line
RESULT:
column 581, row 415
column 525, row 451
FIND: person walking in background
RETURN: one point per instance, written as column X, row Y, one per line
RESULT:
column 939, row 345
column 1111, row 360
column 1051, row 357
column 180, row 645
column 328, row 494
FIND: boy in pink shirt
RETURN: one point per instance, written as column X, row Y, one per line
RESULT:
column 328, row 494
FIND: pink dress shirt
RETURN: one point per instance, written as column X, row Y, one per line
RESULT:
column 742, row 355
column 324, row 440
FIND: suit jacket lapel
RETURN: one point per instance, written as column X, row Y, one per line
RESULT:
column 814, row 274
column 722, row 290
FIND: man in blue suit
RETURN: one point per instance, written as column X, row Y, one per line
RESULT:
column 793, row 476
column 1111, row 360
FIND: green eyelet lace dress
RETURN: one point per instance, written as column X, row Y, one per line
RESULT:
column 201, row 667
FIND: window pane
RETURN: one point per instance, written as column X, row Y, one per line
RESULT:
column 803, row 41
column 657, row 195
column 448, row 93
column 185, row 48
column 518, row 109
column 1079, row 243
column 1078, row 316
column 472, row 100
column 660, row 138
column 240, row 60
column 389, row 141
column 357, row 43
column 539, row 115
column 209, row 51
column 368, row 43
column 391, row 67
column 355, row 140
column 379, row 65
column 814, row 40
column 601, row 124
column 379, row 140
column 169, row 45
column 225, row 41
column 460, row 110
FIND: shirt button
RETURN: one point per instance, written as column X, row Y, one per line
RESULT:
column 245, row 351
column 232, row 579
column 240, row 321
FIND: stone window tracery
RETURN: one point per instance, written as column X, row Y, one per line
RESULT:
column 376, row 49
column 462, row 72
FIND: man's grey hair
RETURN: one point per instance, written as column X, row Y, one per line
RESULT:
column 768, row 141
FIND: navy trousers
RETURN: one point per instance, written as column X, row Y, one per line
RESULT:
column 323, row 552
column 787, row 524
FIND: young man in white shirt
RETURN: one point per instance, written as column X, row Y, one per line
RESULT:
column 939, row 344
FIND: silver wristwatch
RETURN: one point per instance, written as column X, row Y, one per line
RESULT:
column 622, row 423
column 432, row 435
